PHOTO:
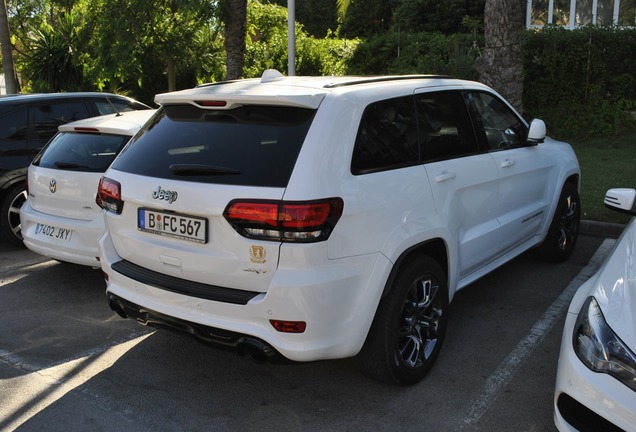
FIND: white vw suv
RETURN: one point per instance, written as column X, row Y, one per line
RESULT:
column 309, row 218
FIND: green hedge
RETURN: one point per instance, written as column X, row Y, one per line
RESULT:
column 581, row 82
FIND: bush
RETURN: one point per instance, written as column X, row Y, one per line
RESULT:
column 581, row 81
column 266, row 45
column 415, row 53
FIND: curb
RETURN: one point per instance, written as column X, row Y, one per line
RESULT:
column 601, row 229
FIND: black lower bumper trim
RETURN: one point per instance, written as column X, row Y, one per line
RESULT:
column 182, row 286
column 220, row 338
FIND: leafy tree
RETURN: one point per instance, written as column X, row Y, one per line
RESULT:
column 444, row 16
column 267, row 45
column 365, row 18
column 53, row 61
column 125, row 35
column 318, row 17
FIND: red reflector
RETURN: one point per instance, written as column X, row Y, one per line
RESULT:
column 289, row 326
column 105, row 276
column 211, row 103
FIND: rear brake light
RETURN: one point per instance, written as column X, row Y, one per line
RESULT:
column 86, row 129
column 211, row 103
column 109, row 195
column 304, row 222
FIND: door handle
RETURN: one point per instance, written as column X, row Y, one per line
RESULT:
column 507, row 163
column 444, row 176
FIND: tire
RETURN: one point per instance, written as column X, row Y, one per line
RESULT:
column 564, row 228
column 10, row 213
column 409, row 326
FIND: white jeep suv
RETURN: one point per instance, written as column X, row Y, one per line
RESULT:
column 309, row 218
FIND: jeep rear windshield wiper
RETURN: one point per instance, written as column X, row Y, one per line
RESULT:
column 61, row 164
column 197, row 169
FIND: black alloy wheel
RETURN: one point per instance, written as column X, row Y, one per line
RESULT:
column 10, row 224
column 409, row 327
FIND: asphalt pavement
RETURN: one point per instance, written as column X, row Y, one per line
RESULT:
column 68, row 363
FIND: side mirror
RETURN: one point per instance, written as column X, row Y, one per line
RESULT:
column 537, row 132
column 621, row 199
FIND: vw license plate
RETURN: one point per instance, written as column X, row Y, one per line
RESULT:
column 190, row 228
column 51, row 232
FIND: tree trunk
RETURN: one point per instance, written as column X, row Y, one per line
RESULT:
column 10, row 76
column 501, row 63
column 172, row 75
column 235, row 29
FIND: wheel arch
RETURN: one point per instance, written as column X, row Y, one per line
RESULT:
column 15, row 177
column 573, row 178
column 435, row 248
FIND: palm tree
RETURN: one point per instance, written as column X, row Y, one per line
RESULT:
column 342, row 6
column 235, row 17
column 501, row 63
column 8, row 67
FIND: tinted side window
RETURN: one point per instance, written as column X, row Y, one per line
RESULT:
column 387, row 137
column 250, row 145
column 90, row 152
column 14, row 125
column 444, row 124
column 499, row 126
column 49, row 116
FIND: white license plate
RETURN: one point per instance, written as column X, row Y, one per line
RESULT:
column 190, row 228
column 52, row 232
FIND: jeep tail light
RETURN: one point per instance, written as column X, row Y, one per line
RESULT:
column 288, row 221
column 109, row 195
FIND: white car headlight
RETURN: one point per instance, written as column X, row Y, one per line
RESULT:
column 599, row 348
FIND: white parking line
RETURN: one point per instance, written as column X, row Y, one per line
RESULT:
column 26, row 265
column 506, row 370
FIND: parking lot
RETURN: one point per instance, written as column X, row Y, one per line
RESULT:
column 69, row 363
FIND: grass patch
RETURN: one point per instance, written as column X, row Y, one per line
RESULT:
column 606, row 163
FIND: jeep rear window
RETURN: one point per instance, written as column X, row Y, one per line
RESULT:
column 250, row 145
column 86, row 152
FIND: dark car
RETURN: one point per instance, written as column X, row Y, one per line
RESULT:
column 27, row 123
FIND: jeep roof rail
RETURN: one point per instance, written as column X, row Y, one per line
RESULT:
column 273, row 75
column 375, row 79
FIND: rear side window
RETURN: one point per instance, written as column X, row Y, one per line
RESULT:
column 48, row 117
column 90, row 152
column 409, row 130
column 387, row 137
column 249, row 145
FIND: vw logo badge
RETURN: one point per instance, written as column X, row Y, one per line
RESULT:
column 53, row 185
